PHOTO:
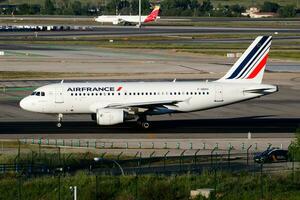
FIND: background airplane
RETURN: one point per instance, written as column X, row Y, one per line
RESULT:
column 114, row 103
column 129, row 19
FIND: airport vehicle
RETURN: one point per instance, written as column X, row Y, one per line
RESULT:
column 111, row 103
column 272, row 155
column 129, row 19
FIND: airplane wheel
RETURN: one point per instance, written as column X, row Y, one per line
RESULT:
column 58, row 125
column 145, row 125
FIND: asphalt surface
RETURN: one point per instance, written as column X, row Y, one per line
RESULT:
column 150, row 30
column 260, row 127
column 182, row 40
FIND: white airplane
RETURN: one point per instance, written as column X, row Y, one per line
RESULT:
column 129, row 19
column 114, row 103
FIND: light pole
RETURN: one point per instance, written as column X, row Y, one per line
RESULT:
column 74, row 190
column 103, row 159
column 140, row 13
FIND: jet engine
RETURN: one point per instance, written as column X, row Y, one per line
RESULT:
column 107, row 116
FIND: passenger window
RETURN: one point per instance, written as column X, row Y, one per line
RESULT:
column 43, row 94
column 33, row 93
column 38, row 94
column 71, row 94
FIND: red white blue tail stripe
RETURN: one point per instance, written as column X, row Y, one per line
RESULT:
column 252, row 62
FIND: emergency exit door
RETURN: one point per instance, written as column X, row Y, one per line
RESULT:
column 59, row 98
column 219, row 93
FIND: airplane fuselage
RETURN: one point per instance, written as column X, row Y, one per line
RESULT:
column 116, row 19
column 86, row 98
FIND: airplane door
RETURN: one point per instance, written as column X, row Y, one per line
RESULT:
column 219, row 93
column 59, row 98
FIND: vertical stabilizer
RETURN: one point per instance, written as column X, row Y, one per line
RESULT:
column 250, row 67
column 153, row 15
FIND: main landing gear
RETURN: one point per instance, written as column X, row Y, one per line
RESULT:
column 143, row 123
column 59, row 120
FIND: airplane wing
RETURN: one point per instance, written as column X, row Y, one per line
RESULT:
column 148, row 104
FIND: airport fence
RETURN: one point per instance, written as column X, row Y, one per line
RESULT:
column 81, row 143
column 36, row 158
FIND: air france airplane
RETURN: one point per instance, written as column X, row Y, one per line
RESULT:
column 129, row 19
column 117, row 102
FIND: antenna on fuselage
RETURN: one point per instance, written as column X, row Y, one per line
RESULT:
column 174, row 80
column 62, row 81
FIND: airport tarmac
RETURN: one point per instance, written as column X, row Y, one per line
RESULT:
column 109, row 61
column 151, row 31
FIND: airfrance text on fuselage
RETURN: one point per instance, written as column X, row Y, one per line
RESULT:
column 91, row 89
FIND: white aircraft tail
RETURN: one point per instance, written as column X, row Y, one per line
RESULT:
column 250, row 67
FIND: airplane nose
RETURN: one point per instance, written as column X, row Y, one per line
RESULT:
column 24, row 103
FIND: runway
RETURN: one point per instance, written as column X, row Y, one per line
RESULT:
column 230, row 127
column 149, row 30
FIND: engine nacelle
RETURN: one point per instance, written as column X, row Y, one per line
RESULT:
column 116, row 22
column 107, row 116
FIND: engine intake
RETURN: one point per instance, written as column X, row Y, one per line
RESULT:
column 110, row 116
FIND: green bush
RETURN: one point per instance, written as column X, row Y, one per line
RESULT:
column 150, row 187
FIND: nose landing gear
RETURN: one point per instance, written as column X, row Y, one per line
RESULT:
column 59, row 119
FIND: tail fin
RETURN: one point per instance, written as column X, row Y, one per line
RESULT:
column 153, row 15
column 250, row 67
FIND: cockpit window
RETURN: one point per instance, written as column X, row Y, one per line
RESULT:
column 38, row 94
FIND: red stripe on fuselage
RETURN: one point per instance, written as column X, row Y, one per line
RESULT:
column 258, row 68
